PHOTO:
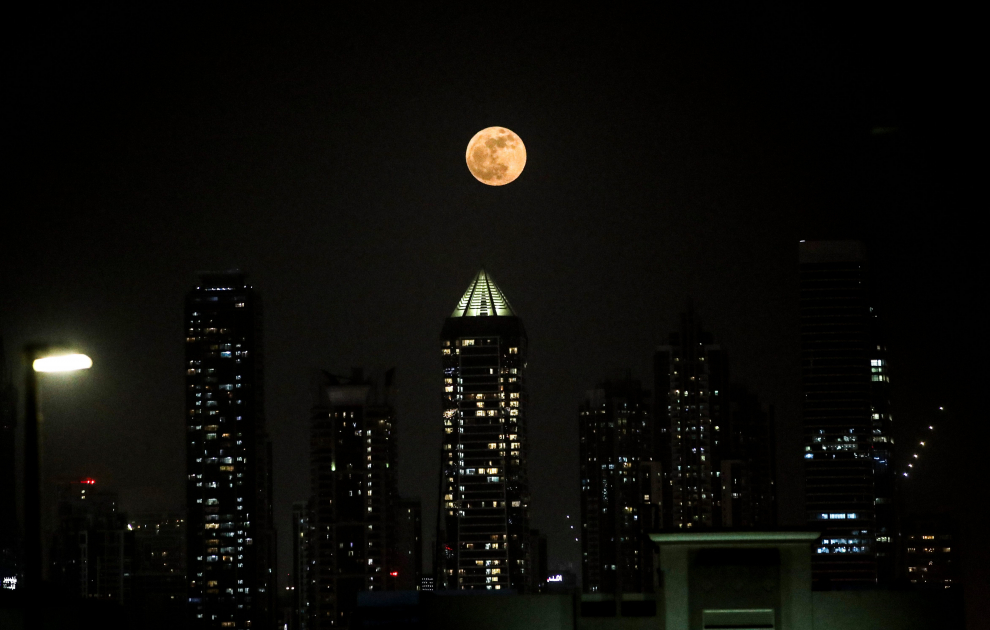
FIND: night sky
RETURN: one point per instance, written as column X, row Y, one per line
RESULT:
column 672, row 158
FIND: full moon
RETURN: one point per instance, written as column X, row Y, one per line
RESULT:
column 496, row 156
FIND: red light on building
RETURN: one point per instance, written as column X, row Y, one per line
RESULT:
column 394, row 574
column 88, row 481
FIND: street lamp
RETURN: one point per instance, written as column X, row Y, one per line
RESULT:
column 39, row 358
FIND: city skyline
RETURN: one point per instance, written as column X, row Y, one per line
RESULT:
column 669, row 161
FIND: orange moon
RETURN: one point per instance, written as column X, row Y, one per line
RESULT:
column 496, row 156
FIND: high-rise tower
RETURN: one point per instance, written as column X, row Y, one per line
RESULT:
column 354, row 504
column 230, row 537
column 848, row 447
column 714, row 440
column 621, row 490
column 692, row 372
column 483, row 520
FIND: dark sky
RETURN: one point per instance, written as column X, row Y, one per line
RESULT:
column 671, row 158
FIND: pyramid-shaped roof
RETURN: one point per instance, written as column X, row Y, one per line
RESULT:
column 483, row 298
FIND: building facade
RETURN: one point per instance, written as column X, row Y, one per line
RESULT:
column 929, row 549
column 714, row 439
column 748, row 462
column 158, row 567
column 300, row 578
column 92, row 548
column 848, row 444
column 409, row 545
column 230, row 533
column 692, row 375
column 621, row 489
column 483, row 539
column 354, row 494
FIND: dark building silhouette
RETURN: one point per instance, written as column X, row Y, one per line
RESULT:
column 300, row 578
column 538, row 560
column 158, row 565
column 409, row 545
column 848, row 446
column 10, row 540
column 354, row 494
column 692, row 375
column 230, row 534
column 748, row 462
column 621, row 489
column 714, row 440
column 92, row 547
column 483, row 520
column 930, row 553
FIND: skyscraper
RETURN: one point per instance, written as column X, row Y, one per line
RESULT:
column 714, row 440
column 158, row 568
column 92, row 548
column 354, row 494
column 692, row 373
column 300, row 578
column 621, row 489
column 929, row 547
column 483, row 520
column 748, row 462
column 230, row 535
column 848, row 448
column 409, row 545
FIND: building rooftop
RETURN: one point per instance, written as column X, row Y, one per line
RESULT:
column 483, row 298
column 718, row 538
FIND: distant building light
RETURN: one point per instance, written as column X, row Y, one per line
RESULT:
column 555, row 578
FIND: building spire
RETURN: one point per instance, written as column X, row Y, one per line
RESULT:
column 483, row 298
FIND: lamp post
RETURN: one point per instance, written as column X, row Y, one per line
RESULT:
column 39, row 358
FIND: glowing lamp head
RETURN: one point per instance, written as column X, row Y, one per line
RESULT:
column 62, row 363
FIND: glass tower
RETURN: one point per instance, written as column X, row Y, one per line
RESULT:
column 483, row 539
column 230, row 550
column 848, row 447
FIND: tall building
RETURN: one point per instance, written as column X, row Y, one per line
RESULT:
column 354, row 494
column 714, row 440
column 409, row 545
column 748, row 462
column 692, row 372
column 10, row 543
column 929, row 547
column 848, row 445
column 158, row 566
column 483, row 509
column 92, row 548
column 621, row 489
column 300, row 576
column 230, row 532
